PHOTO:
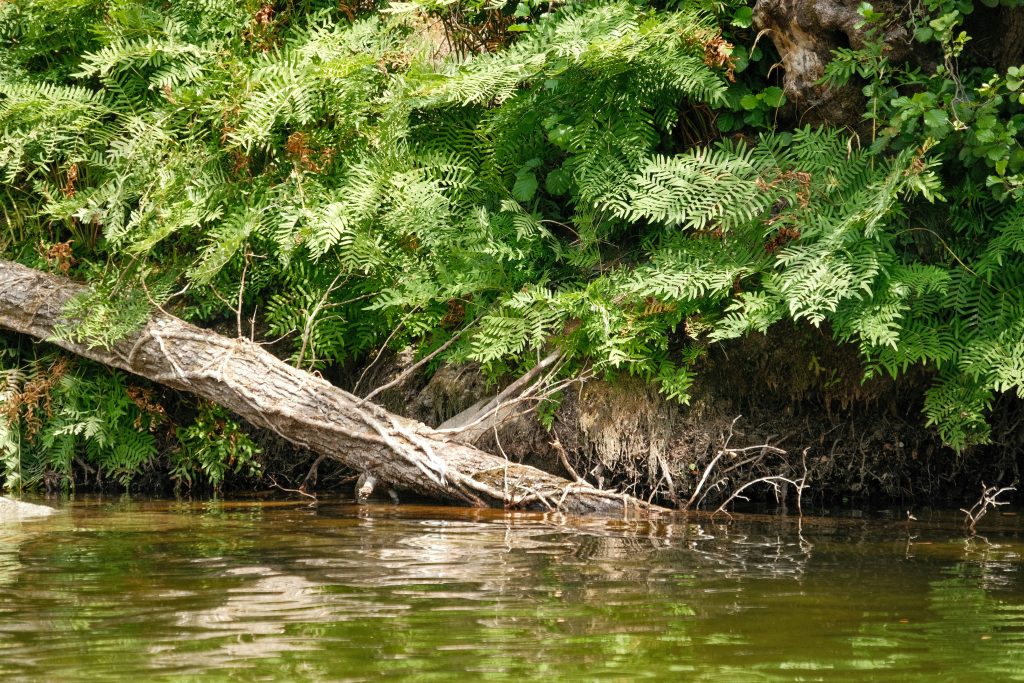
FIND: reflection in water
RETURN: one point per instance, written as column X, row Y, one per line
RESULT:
column 185, row 591
column 10, row 565
column 257, row 614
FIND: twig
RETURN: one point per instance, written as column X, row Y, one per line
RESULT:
column 252, row 324
column 307, row 329
column 726, row 450
column 527, row 395
column 772, row 479
column 274, row 483
column 383, row 346
column 801, row 487
column 507, row 500
column 241, row 294
column 220, row 297
column 458, row 431
column 461, row 421
column 420, row 363
column 153, row 302
column 311, row 475
column 703, row 479
column 667, row 476
column 563, row 456
column 537, row 495
column 711, row 465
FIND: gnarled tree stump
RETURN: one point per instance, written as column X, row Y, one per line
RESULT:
column 805, row 32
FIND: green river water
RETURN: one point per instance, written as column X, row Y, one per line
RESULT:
column 120, row 589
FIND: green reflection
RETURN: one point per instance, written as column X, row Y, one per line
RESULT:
column 242, row 591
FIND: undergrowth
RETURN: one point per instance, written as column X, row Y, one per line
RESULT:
column 618, row 180
column 63, row 419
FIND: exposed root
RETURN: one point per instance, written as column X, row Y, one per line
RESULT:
column 310, row 477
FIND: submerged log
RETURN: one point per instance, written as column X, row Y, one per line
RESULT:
column 301, row 407
column 12, row 510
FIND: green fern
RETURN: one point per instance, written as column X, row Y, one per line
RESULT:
column 351, row 185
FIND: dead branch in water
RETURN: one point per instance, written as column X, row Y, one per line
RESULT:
column 726, row 451
column 774, row 481
column 989, row 500
column 273, row 482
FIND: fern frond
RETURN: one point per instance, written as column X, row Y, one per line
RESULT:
column 697, row 190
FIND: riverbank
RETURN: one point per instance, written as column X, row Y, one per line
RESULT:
column 788, row 408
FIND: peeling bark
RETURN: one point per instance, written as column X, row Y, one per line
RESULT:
column 300, row 407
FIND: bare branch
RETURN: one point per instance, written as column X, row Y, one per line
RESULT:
column 988, row 501
column 420, row 363
column 474, row 415
column 699, row 493
column 307, row 328
column 380, row 351
column 241, row 293
column 774, row 480
column 312, row 474
column 299, row 491
column 564, row 457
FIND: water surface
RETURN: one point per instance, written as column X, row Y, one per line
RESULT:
column 164, row 590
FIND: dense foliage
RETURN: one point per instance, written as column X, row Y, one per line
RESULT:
column 621, row 180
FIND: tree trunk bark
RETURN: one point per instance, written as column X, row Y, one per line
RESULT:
column 805, row 32
column 301, row 407
column 1011, row 49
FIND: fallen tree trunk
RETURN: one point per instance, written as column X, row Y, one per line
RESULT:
column 301, row 407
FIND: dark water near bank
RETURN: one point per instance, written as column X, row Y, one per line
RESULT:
column 256, row 591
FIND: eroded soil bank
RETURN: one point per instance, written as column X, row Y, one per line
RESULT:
column 858, row 442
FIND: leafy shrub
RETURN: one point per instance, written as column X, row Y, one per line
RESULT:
column 56, row 412
column 212, row 446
